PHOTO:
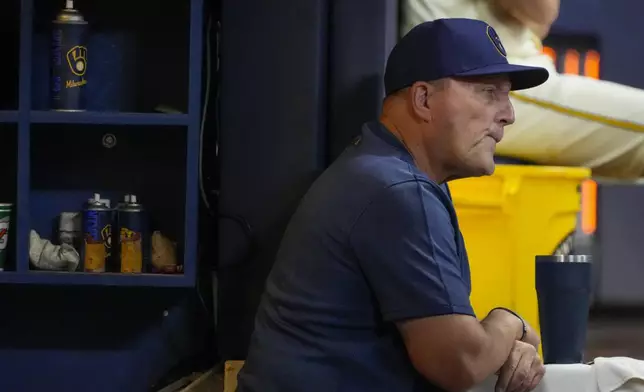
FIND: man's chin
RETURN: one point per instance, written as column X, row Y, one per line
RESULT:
column 477, row 169
column 489, row 170
column 486, row 168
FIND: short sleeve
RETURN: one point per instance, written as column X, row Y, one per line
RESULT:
column 406, row 247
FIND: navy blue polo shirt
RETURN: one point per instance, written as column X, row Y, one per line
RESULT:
column 373, row 242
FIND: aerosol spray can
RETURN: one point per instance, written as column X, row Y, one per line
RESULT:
column 98, row 218
column 132, row 236
column 68, row 60
column 5, row 220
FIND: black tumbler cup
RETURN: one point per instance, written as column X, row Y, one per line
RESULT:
column 564, row 293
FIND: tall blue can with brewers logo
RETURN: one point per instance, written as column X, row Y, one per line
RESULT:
column 69, row 60
column 98, row 218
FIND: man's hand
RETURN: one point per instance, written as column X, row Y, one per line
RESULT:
column 523, row 370
column 531, row 336
column 537, row 15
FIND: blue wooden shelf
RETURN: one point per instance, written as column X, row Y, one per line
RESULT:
column 8, row 116
column 108, row 118
column 28, row 149
column 95, row 279
column 57, row 160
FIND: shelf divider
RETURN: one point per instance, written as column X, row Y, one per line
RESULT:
column 24, row 106
column 194, row 139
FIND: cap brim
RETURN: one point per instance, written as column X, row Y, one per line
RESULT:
column 521, row 76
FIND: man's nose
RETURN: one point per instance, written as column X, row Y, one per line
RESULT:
column 506, row 114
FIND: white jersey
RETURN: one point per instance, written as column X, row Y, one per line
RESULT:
column 518, row 40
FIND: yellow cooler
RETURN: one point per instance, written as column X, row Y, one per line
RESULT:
column 509, row 218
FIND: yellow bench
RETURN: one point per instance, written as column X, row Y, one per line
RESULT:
column 508, row 218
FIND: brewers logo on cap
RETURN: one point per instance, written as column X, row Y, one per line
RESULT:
column 496, row 41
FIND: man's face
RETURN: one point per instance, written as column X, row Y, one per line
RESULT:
column 471, row 114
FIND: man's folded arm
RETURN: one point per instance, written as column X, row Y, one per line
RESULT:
column 407, row 250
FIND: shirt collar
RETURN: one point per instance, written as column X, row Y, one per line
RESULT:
column 380, row 131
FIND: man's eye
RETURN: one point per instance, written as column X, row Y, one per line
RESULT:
column 489, row 92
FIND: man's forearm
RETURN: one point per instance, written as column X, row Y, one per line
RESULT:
column 502, row 329
column 458, row 352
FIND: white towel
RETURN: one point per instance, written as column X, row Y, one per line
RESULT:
column 619, row 374
column 615, row 374
column 558, row 378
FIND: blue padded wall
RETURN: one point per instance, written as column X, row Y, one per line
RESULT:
column 272, row 141
column 360, row 41
column 298, row 81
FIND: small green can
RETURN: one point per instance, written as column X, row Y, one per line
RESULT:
column 5, row 221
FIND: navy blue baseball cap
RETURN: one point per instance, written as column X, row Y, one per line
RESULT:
column 454, row 47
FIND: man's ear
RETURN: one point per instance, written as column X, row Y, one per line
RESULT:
column 419, row 99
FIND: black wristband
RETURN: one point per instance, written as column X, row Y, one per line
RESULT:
column 523, row 324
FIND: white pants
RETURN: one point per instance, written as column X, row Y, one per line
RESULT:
column 578, row 121
column 569, row 120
